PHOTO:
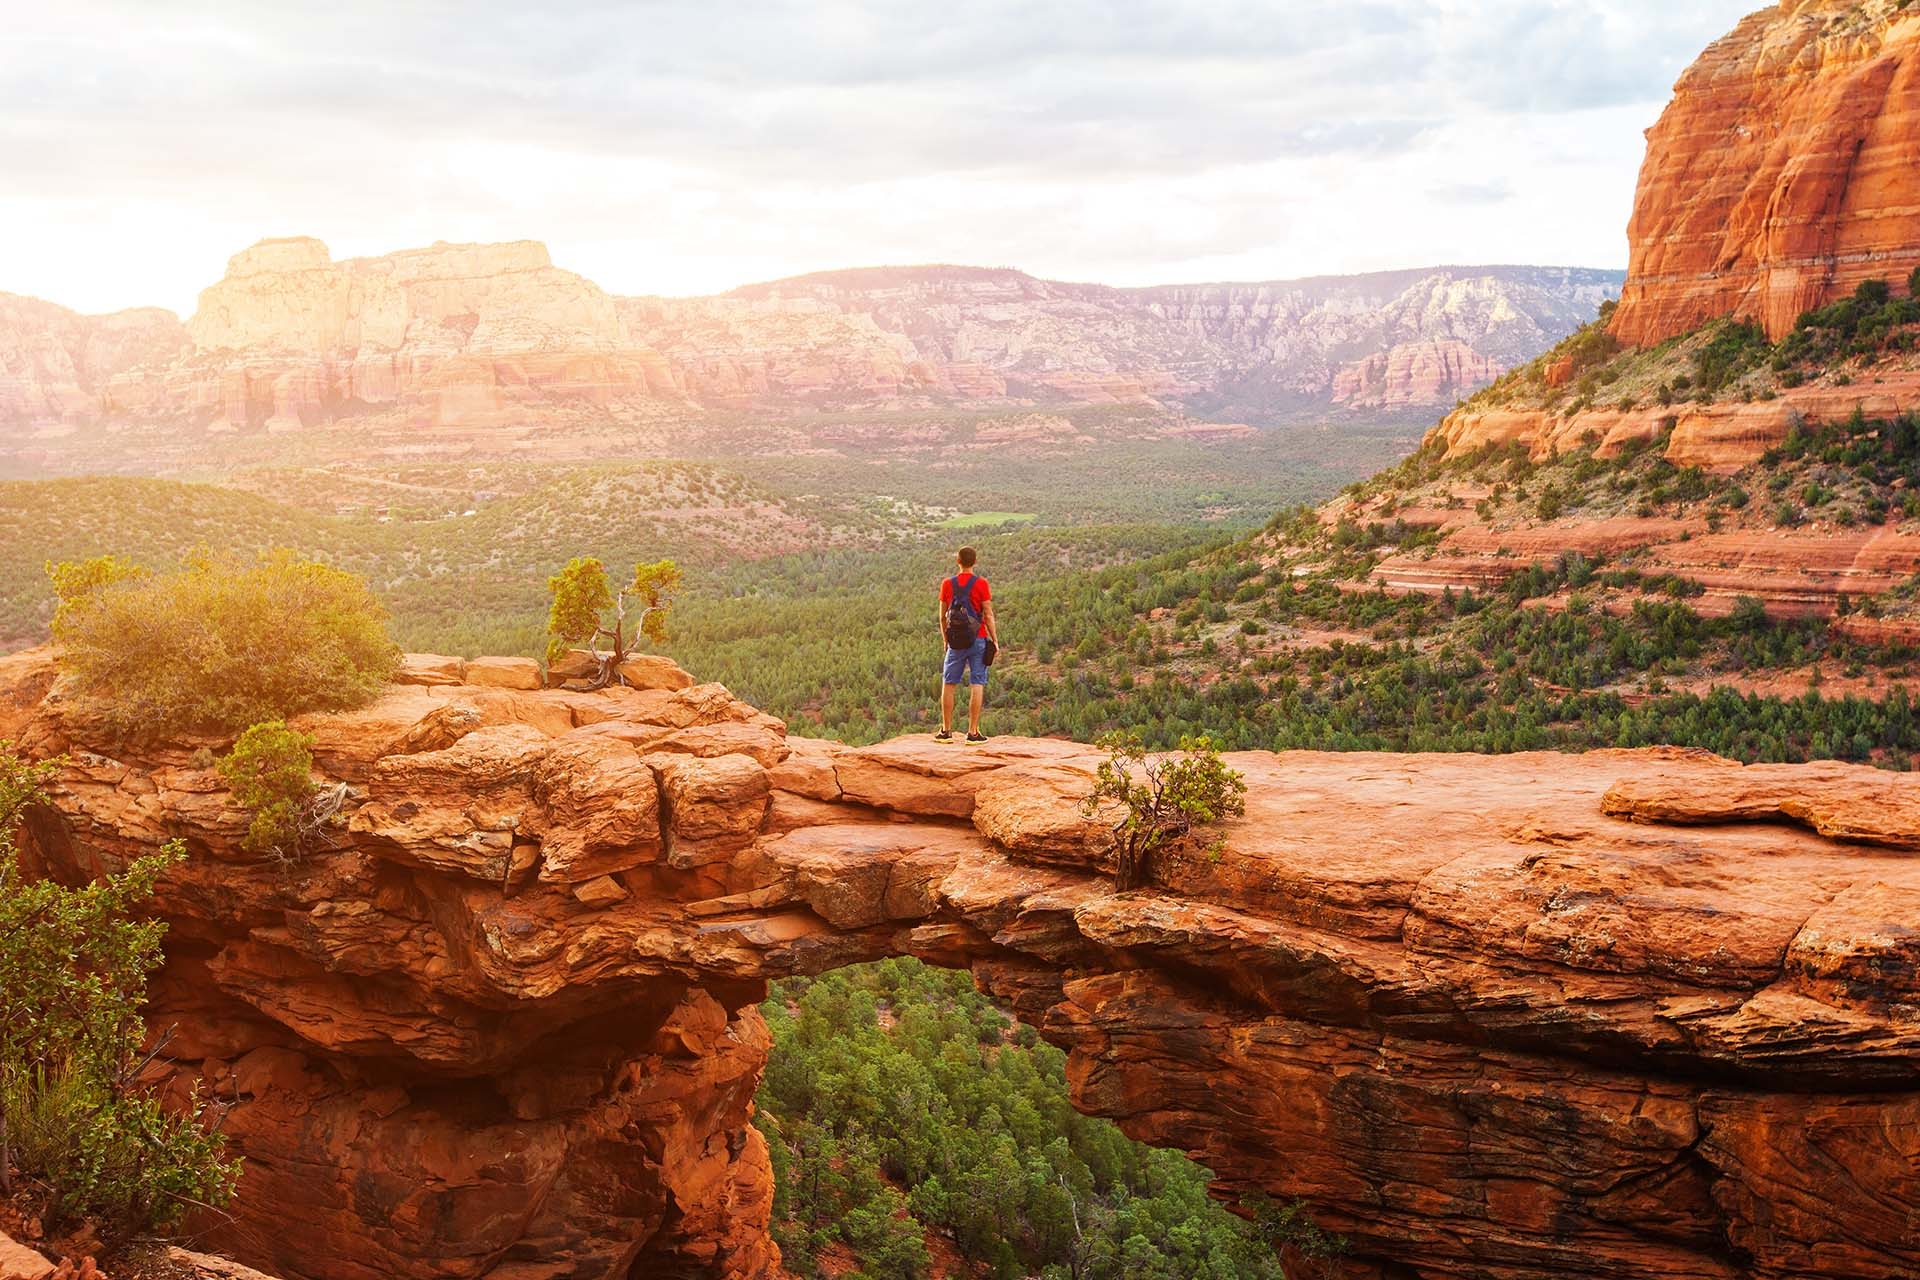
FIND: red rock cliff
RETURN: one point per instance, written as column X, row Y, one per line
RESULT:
column 1785, row 171
column 1619, row 1015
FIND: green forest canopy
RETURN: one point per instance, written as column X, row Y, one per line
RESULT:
column 900, row 1101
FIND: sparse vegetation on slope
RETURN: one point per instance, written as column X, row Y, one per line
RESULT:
column 473, row 583
column 1842, row 343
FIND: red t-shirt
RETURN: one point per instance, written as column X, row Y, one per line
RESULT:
column 977, row 591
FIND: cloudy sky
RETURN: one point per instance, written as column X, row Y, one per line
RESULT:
column 665, row 146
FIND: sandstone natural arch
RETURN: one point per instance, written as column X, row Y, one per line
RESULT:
column 1624, row 1014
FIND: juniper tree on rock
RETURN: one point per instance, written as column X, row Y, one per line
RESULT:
column 587, row 611
column 1161, row 799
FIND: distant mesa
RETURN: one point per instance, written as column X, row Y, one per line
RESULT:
column 467, row 336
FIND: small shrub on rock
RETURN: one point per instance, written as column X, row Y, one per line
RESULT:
column 1290, row 1230
column 73, row 974
column 223, row 643
column 588, row 611
column 1162, row 798
column 271, row 772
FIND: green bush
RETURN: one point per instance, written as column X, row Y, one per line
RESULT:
column 586, row 610
column 1736, row 348
column 221, row 644
column 967, row 1114
column 1288, row 1226
column 1162, row 798
column 271, row 772
column 73, row 974
column 112, row 1156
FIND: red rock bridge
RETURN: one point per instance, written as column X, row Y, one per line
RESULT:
column 1618, row 1015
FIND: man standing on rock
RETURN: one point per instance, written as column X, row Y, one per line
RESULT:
column 967, row 631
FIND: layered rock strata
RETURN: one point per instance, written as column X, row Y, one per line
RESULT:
column 455, row 337
column 1614, row 1015
column 1722, row 437
column 1783, row 173
column 57, row 366
column 1795, row 573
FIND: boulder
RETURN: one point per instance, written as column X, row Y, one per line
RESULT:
column 17, row 1262
column 651, row 671
column 600, row 892
column 204, row 1266
column 599, row 810
column 504, row 673
column 574, row 664
column 429, row 669
column 714, row 806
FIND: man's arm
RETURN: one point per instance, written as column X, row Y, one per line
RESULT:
column 986, row 620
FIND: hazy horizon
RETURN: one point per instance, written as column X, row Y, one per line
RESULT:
column 658, row 149
column 851, row 268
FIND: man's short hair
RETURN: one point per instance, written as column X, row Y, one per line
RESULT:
column 967, row 557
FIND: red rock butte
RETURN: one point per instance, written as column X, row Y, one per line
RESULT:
column 1785, row 171
column 1624, row 1014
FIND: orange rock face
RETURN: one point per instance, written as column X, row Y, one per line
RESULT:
column 1619, row 1015
column 1794, row 572
column 1785, row 171
column 57, row 367
column 1721, row 437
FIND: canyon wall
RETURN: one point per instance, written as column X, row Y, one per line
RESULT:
column 1785, row 171
column 1614, row 1015
column 1397, row 339
column 56, row 365
column 455, row 336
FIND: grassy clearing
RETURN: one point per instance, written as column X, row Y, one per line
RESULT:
column 987, row 520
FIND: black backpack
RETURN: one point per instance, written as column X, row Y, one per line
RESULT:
column 962, row 620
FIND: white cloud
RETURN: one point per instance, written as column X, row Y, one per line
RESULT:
column 682, row 147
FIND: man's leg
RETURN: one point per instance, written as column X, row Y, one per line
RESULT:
column 978, row 701
column 946, row 706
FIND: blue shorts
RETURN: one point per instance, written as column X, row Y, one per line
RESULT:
column 959, row 660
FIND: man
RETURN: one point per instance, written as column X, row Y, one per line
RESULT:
column 966, row 629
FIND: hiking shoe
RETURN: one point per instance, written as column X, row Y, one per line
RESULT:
column 945, row 735
column 976, row 737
